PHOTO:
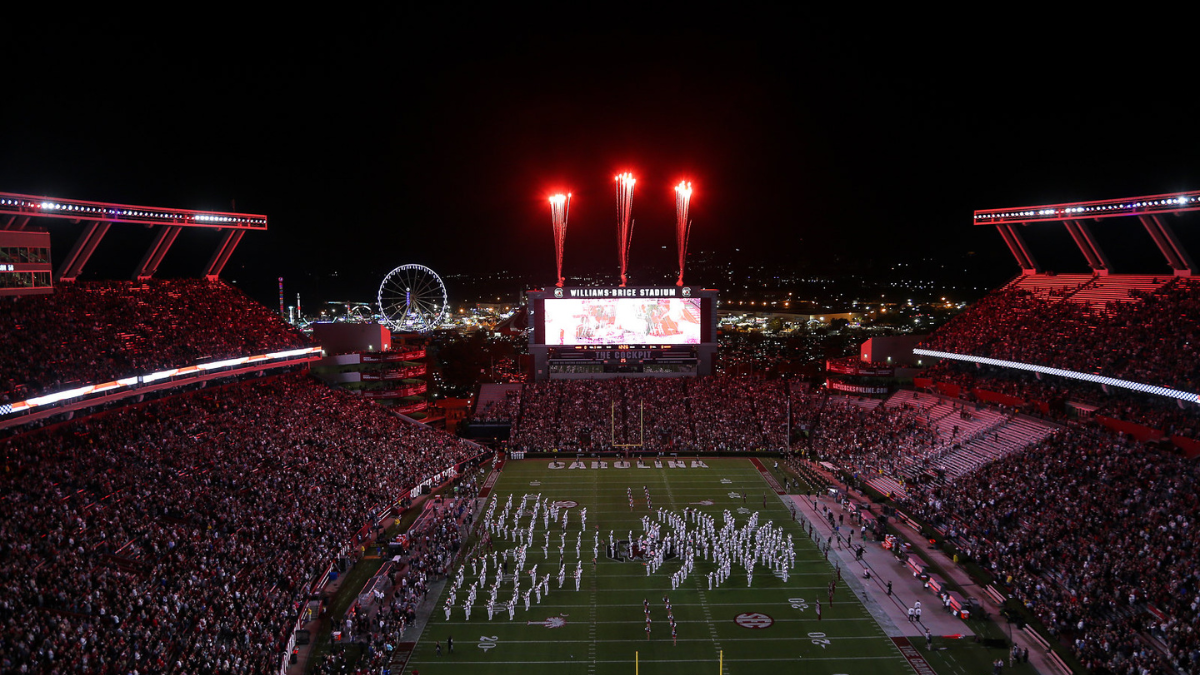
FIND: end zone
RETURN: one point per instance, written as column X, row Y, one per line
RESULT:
column 768, row 476
column 486, row 490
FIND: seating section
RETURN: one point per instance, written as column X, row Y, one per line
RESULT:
column 653, row 414
column 94, row 332
column 1012, row 435
column 181, row 536
column 1046, row 286
column 1149, row 338
column 498, row 403
column 1096, row 534
column 938, row 437
column 1117, row 289
column 865, row 403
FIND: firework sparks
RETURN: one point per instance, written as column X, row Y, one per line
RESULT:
column 625, row 182
column 683, row 197
column 560, row 205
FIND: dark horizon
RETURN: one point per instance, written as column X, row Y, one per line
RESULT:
column 374, row 147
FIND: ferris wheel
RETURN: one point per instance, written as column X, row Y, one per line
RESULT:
column 412, row 298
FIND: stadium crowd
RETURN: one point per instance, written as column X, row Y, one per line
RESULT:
column 1097, row 534
column 1156, row 412
column 667, row 414
column 89, row 332
column 181, row 536
column 433, row 545
column 502, row 410
column 879, row 440
column 1153, row 340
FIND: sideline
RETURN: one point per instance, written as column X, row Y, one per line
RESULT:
column 887, row 569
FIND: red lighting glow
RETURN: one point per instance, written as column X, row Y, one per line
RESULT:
column 560, row 206
column 683, row 197
column 625, row 183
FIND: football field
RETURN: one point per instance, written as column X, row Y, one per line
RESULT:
column 769, row 626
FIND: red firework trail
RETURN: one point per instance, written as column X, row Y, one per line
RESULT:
column 625, row 183
column 560, row 205
column 683, row 197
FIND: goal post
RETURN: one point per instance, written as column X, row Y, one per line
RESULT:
column 641, row 427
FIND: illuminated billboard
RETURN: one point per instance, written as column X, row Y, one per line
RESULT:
column 622, row 321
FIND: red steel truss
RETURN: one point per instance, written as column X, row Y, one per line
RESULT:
column 16, row 211
column 1151, row 211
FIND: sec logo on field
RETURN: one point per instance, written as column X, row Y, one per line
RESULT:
column 753, row 620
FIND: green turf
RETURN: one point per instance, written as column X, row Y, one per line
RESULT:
column 605, row 625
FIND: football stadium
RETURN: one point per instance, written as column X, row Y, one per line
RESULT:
column 894, row 370
column 195, row 501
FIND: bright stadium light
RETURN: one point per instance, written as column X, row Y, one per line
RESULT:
column 1071, row 374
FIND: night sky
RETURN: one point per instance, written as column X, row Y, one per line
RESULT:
column 381, row 140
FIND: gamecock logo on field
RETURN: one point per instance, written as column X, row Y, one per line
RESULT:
column 753, row 620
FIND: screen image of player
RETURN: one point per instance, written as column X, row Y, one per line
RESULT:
column 623, row 321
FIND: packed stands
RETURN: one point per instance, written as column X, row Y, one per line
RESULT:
column 181, row 535
column 436, row 540
column 667, row 414
column 1046, row 286
column 1117, row 289
column 97, row 331
column 1151, row 338
column 1073, row 506
column 497, row 403
column 1097, row 534
column 1051, row 398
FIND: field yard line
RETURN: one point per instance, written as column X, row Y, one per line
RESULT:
column 670, row 495
column 684, row 485
column 592, row 611
column 712, row 629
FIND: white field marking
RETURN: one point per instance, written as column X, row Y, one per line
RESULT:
column 592, row 629
column 712, row 628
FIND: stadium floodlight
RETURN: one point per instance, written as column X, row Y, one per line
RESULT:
column 1153, row 389
column 1107, row 208
column 47, row 399
column 18, row 204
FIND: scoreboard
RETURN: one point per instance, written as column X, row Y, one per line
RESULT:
column 621, row 332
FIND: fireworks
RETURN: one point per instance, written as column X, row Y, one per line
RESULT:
column 560, row 205
column 683, row 196
column 625, row 182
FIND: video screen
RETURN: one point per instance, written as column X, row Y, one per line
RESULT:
column 623, row 321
